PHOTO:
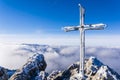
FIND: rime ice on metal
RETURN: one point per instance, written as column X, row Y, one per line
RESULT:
column 82, row 28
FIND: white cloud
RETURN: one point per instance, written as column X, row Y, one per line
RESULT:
column 8, row 57
column 14, row 56
column 108, row 53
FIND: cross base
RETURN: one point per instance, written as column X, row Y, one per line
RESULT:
column 78, row 76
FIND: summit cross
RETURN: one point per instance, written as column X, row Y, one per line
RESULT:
column 82, row 28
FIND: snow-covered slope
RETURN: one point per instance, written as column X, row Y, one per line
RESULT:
column 94, row 70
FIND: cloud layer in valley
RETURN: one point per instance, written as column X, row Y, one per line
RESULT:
column 57, row 57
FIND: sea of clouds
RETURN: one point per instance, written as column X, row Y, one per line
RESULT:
column 13, row 56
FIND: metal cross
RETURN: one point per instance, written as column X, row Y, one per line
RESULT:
column 82, row 27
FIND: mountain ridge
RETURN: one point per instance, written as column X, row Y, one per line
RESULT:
column 34, row 69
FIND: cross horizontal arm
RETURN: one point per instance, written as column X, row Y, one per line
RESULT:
column 71, row 28
column 99, row 26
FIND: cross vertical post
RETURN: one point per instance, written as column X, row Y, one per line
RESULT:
column 82, row 42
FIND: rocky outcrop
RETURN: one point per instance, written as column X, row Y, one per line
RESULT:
column 3, row 74
column 42, row 76
column 94, row 70
column 30, row 70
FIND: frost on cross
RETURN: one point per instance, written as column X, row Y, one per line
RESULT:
column 82, row 28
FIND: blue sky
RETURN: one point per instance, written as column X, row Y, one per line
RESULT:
column 47, row 17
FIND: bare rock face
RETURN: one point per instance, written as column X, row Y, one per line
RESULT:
column 41, row 76
column 54, row 75
column 94, row 70
column 3, row 74
column 30, row 70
